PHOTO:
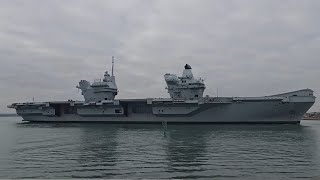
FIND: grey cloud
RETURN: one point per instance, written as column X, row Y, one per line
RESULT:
column 244, row 48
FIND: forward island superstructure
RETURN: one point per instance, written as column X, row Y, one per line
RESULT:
column 185, row 105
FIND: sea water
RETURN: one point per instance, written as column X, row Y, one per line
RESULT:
column 84, row 150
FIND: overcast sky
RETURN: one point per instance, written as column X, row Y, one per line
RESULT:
column 244, row 48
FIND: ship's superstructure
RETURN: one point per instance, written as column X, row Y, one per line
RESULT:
column 184, row 87
column 185, row 105
column 100, row 90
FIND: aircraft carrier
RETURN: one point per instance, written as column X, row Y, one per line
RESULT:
column 185, row 105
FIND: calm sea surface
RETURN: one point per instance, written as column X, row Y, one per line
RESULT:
column 76, row 150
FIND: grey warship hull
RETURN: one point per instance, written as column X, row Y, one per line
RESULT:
column 185, row 105
column 283, row 108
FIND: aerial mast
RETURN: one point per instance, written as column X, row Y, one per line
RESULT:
column 112, row 65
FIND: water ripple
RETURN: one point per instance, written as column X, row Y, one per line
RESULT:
column 145, row 151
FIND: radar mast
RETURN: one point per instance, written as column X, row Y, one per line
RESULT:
column 112, row 65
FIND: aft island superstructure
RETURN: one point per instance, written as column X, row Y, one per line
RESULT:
column 185, row 105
